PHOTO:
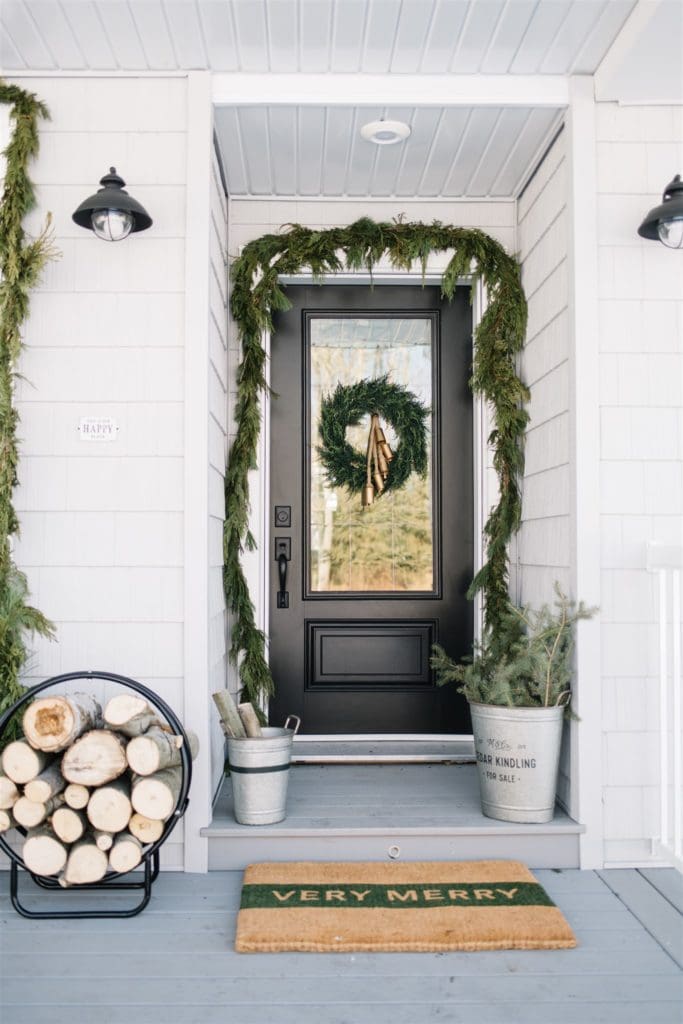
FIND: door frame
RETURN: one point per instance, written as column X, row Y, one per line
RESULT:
column 256, row 564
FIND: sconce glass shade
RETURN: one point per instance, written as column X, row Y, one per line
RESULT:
column 111, row 225
column 664, row 223
column 671, row 233
column 111, row 213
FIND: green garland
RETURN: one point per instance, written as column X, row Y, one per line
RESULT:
column 257, row 292
column 345, row 407
column 21, row 263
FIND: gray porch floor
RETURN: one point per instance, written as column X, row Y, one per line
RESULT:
column 175, row 964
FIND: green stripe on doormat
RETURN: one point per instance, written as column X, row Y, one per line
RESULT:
column 436, row 894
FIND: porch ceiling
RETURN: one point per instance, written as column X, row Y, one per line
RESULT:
column 372, row 36
column 318, row 150
column 482, row 83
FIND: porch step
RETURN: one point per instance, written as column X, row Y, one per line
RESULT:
column 376, row 812
column 387, row 749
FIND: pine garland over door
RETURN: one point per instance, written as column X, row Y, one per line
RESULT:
column 499, row 337
column 21, row 263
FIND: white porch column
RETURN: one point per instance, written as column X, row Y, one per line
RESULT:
column 196, row 532
column 586, row 734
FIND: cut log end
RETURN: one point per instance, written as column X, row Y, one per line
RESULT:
column 110, row 808
column 6, row 820
column 96, row 758
column 29, row 814
column 47, row 784
column 147, row 830
column 53, row 723
column 86, row 864
column 43, row 853
column 76, row 796
column 103, row 840
column 129, row 714
column 125, row 854
column 156, row 795
column 9, row 794
column 21, row 763
column 69, row 825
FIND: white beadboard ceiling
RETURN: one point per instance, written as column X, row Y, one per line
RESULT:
column 318, row 151
column 310, row 146
column 373, row 36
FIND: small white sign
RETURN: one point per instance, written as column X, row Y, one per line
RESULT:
column 98, row 428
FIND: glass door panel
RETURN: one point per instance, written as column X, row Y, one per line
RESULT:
column 388, row 547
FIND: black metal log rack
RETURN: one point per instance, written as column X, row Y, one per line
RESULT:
column 150, row 858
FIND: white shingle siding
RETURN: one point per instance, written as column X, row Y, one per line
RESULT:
column 639, row 149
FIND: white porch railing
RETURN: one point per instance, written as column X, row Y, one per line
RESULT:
column 667, row 561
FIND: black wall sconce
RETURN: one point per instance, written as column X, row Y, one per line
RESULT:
column 111, row 213
column 665, row 222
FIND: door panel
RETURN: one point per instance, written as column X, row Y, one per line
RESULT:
column 393, row 547
column 370, row 590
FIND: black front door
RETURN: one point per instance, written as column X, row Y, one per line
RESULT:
column 369, row 589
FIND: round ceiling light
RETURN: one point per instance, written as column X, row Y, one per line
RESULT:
column 385, row 133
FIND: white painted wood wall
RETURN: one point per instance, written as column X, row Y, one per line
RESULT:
column 543, row 547
column 639, row 149
column 218, row 452
column 542, row 554
column 638, row 441
column 135, row 331
column 121, row 542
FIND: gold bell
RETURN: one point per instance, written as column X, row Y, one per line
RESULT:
column 378, row 481
column 385, row 449
column 382, row 464
column 368, row 495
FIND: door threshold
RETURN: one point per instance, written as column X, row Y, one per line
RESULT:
column 383, row 749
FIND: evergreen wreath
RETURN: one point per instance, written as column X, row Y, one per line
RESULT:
column 346, row 406
column 257, row 292
column 21, row 263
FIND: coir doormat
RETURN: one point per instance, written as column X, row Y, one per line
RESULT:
column 416, row 907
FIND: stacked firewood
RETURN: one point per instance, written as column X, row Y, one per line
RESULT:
column 92, row 789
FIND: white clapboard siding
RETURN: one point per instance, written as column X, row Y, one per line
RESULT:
column 218, row 442
column 101, row 523
column 543, row 547
column 639, row 149
column 543, row 551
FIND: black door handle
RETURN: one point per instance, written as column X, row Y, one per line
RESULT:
column 282, row 596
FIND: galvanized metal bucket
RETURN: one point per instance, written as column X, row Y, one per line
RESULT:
column 518, row 755
column 259, row 769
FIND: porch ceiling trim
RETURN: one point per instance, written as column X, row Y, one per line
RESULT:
column 240, row 89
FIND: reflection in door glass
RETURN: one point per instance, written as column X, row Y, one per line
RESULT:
column 387, row 547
